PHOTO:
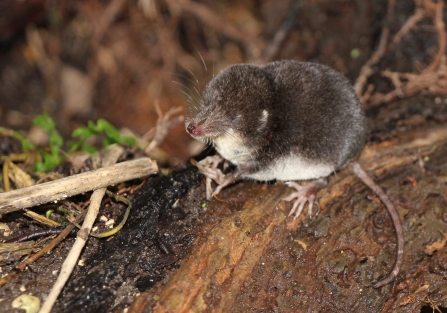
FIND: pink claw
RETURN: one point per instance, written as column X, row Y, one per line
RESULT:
column 303, row 195
column 208, row 167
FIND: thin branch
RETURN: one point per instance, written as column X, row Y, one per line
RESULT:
column 73, row 255
column 442, row 42
column 47, row 248
column 272, row 49
column 83, row 234
column 76, row 184
column 366, row 70
column 214, row 20
column 409, row 25
column 164, row 124
column 103, row 23
column 431, row 79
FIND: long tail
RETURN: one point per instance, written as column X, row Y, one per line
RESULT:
column 395, row 218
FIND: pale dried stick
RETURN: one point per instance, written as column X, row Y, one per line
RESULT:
column 76, row 184
column 164, row 124
column 83, row 234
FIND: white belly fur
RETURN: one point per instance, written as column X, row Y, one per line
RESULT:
column 293, row 167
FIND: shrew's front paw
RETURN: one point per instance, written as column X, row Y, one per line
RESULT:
column 208, row 167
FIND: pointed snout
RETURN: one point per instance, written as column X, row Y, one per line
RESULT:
column 194, row 130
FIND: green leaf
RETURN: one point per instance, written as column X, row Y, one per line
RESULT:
column 102, row 127
column 50, row 161
column 107, row 141
column 56, row 139
column 48, row 213
column 44, row 121
column 82, row 131
column 89, row 149
column 39, row 167
column 91, row 125
column 109, row 130
column 75, row 146
column 26, row 145
column 131, row 141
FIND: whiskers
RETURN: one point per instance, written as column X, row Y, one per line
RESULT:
column 191, row 92
column 208, row 141
column 203, row 61
column 190, row 83
column 193, row 82
column 195, row 101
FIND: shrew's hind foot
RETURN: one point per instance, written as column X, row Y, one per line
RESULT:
column 208, row 167
column 303, row 195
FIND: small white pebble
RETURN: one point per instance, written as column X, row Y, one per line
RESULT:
column 22, row 288
column 81, row 262
column 110, row 222
column 103, row 218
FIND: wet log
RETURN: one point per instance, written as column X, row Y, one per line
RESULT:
column 257, row 259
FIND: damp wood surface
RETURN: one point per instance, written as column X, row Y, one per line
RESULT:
column 256, row 259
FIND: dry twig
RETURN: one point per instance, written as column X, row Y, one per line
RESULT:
column 272, row 49
column 367, row 70
column 100, row 27
column 431, row 79
column 164, row 124
column 102, row 24
column 409, row 25
column 210, row 18
column 47, row 248
column 73, row 255
column 442, row 36
column 113, row 153
column 76, row 184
